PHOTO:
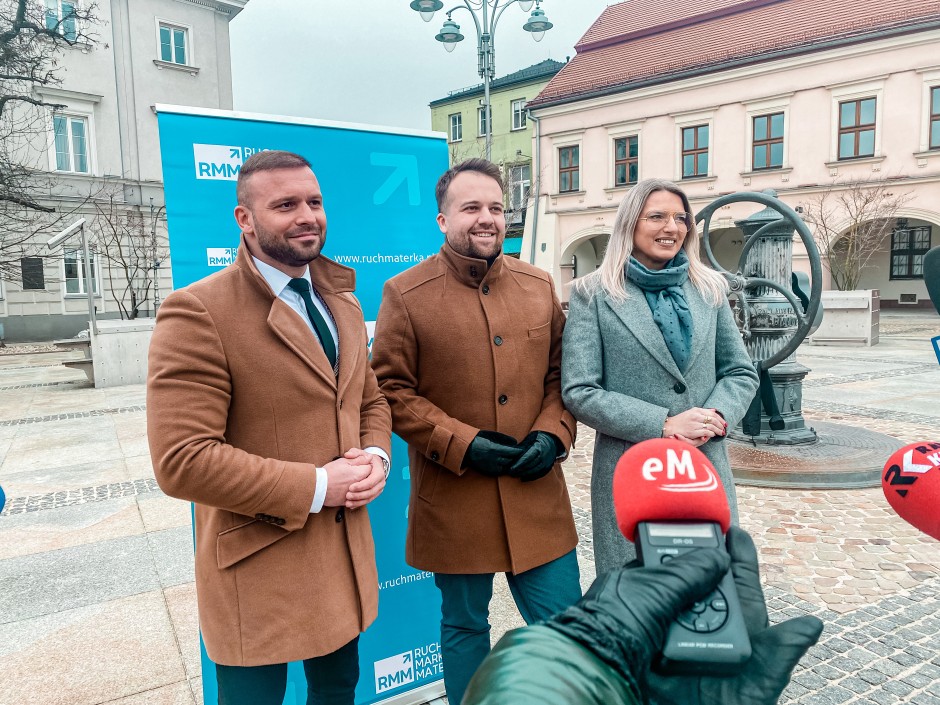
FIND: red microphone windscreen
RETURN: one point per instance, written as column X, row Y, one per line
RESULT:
column 911, row 483
column 667, row 480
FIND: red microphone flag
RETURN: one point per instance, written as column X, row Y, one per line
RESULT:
column 911, row 483
column 667, row 480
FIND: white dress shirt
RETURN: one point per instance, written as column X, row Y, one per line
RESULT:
column 278, row 281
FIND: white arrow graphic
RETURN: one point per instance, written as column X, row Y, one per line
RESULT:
column 405, row 169
column 910, row 466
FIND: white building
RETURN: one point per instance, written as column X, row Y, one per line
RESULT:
column 106, row 141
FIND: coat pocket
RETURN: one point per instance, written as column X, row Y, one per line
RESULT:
column 541, row 330
column 239, row 542
column 427, row 480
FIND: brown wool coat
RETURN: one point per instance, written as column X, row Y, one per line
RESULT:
column 459, row 348
column 241, row 407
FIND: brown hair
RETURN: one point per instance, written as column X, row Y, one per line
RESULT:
column 481, row 166
column 268, row 160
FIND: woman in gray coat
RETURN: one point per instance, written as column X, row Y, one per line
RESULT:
column 651, row 350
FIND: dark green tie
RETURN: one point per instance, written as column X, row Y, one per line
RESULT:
column 302, row 287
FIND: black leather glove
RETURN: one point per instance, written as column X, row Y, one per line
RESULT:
column 775, row 650
column 492, row 453
column 541, row 451
column 623, row 619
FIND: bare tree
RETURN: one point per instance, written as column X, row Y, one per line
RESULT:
column 852, row 221
column 32, row 37
column 129, row 251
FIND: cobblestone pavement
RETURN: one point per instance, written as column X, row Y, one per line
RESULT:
column 93, row 555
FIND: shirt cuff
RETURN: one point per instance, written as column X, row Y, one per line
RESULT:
column 319, row 497
column 375, row 450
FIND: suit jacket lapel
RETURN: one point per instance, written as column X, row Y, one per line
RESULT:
column 702, row 321
column 297, row 336
column 347, row 324
column 637, row 317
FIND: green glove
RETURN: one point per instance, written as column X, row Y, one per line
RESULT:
column 492, row 453
column 775, row 650
column 541, row 452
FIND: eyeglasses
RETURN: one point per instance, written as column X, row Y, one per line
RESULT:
column 683, row 221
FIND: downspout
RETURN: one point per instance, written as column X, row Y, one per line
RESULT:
column 538, row 180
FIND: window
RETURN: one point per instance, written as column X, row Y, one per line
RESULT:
column 174, row 43
column 518, row 114
column 482, row 122
column 75, row 272
column 519, row 182
column 60, row 17
column 626, row 160
column 935, row 118
column 857, row 128
column 32, row 274
column 568, row 169
column 908, row 247
column 456, row 127
column 70, row 134
column 767, row 151
column 694, row 151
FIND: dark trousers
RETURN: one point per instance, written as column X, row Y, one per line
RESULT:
column 331, row 680
column 465, row 612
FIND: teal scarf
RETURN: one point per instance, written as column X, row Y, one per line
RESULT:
column 664, row 294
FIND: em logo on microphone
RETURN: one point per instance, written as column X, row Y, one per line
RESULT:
column 678, row 465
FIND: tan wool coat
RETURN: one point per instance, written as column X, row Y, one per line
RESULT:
column 462, row 347
column 242, row 405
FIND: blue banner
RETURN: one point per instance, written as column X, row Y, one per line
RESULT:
column 378, row 192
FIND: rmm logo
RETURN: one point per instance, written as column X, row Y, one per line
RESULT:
column 394, row 672
column 220, row 162
column 221, row 256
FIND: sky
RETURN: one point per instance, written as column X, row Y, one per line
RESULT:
column 376, row 61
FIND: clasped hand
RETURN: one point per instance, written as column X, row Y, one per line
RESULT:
column 492, row 453
column 354, row 480
column 695, row 426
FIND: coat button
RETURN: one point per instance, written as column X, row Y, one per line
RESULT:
column 259, row 517
column 486, row 289
column 435, row 456
column 498, row 340
column 340, row 514
column 280, row 521
column 503, row 398
column 678, row 388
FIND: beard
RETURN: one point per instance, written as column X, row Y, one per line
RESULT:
column 288, row 251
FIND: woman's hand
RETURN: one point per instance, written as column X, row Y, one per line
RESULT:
column 695, row 426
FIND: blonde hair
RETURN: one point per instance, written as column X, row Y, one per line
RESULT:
column 610, row 275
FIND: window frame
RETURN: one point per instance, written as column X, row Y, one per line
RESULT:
column 933, row 118
column 481, row 121
column 627, row 160
column 696, row 152
column 525, row 185
column 910, row 252
column 42, row 274
column 570, row 171
column 79, row 256
column 768, row 142
column 857, row 128
column 452, row 124
column 846, row 92
column 189, row 46
column 519, row 112
column 89, row 144
column 60, row 19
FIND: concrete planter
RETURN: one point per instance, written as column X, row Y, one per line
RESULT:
column 119, row 352
column 848, row 317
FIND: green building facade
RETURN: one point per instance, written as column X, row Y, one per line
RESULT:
column 460, row 115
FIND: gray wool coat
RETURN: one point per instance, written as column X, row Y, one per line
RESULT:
column 619, row 378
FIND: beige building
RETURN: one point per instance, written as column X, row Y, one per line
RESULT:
column 104, row 144
column 797, row 96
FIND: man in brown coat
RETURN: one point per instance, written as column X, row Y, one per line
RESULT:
column 468, row 351
column 263, row 410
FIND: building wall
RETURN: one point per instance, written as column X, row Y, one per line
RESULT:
column 806, row 88
column 116, row 84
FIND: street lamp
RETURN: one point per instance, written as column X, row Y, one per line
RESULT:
column 79, row 226
column 481, row 11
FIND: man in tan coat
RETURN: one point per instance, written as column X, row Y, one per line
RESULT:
column 263, row 410
column 468, row 351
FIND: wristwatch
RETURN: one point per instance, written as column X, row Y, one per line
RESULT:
column 385, row 464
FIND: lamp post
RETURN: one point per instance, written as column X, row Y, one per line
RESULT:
column 485, row 14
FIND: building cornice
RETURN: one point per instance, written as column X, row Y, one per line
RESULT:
column 224, row 7
column 744, row 67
